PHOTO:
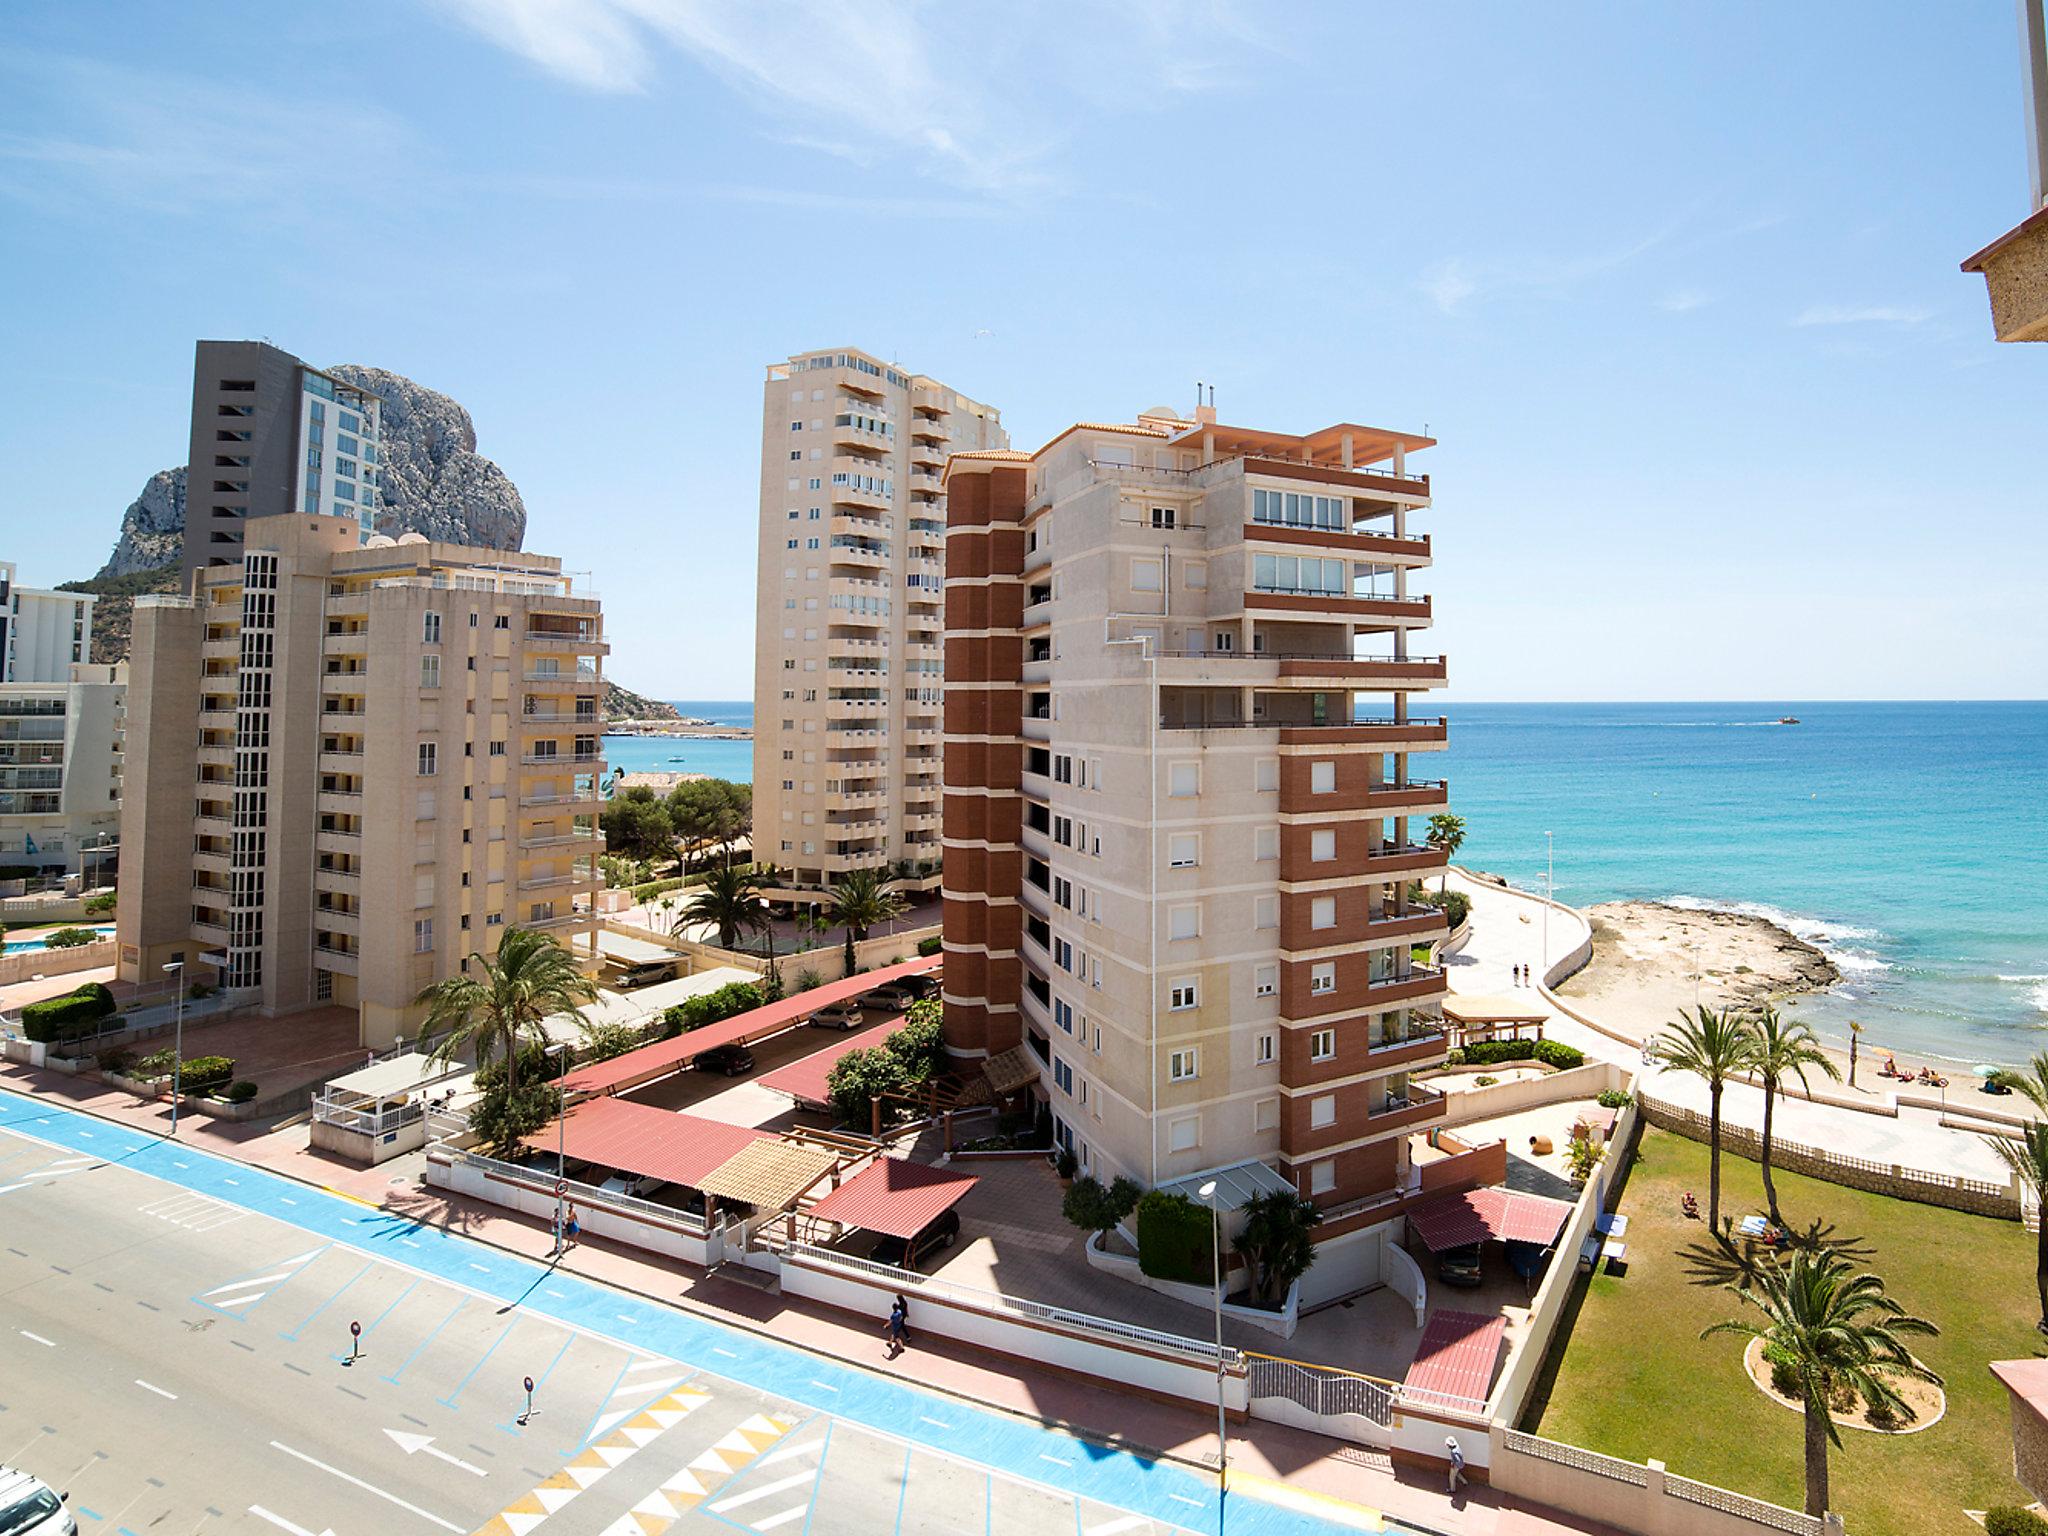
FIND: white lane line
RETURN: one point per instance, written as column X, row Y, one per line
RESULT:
column 243, row 1285
column 283, row 1524
column 159, row 1391
column 389, row 1498
column 287, row 1199
column 823, row 1386
column 235, row 1301
column 925, row 1418
column 37, row 1338
column 786, row 1452
column 763, row 1491
column 408, row 1242
column 480, row 1269
column 1186, row 1500
column 725, row 1352
column 1055, row 1460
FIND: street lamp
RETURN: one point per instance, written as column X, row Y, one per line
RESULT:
column 176, row 970
column 561, row 1159
column 1207, row 1195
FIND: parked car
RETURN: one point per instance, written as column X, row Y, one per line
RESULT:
column 893, row 997
column 1460, row 1266
column 638, row 1185
column 732, row 1060
column 838, row 1016
column 31, row 1507
column 940, row 1234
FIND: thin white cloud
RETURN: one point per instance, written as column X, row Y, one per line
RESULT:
column 1868, row 314
column 1682, row 300
column 1449, row 284
column 1453, row 283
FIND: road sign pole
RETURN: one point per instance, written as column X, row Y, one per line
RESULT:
column 355, row 1342
column 529, row 1401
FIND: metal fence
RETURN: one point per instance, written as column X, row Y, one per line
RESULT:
column 584, row 1194
column 370, row 1122
column 1322, row 1390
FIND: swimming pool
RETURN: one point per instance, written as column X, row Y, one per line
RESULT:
column 37, row 946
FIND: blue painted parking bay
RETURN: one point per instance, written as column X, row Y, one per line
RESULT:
column 1162, row 1491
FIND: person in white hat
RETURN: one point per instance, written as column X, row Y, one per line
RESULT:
column 1457, row 1462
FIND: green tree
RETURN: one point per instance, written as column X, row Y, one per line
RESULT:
column 504, row 1117
column 636, row 825
column 1277, row 1241
column 1092, row 1207
column 1785, row 1048
column 496, row 1003
column 1714, row 1047
column 863, row 899
column 708, row 812
column 730, row 901
column 1448, row 833
column 1834, row 1330
column 2028, row 1160
column 605, row 1038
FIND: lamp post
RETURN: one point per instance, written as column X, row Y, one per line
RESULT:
column 1207, row 1195
column 176, row 971
column 561, row 1159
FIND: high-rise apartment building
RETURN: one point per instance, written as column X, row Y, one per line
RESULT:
column 60, row 772
column 849, row 611
column 1181, row 822
column 350, row 766
column 43, row 634
column 270, row 435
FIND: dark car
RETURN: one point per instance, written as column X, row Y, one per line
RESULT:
column 941, row 1233
column 1460, row 1266
column 732, row 1060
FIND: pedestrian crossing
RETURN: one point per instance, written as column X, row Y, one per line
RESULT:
column 526, row 1513
column 195, row 1213
column 750, row 1444
column 57, row 1168
column 237, row 1297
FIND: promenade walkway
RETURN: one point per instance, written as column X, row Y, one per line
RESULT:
column 1508, row 930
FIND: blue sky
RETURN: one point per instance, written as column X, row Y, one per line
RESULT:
column 1676, row 287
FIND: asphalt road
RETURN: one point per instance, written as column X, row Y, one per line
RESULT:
column 181, row 1363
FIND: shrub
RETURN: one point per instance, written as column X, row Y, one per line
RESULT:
column 606, row 1038
column 155, row 1064
column 120, row 1061
column 242, row 1092
column 70, row 938
column 1784, row 1375
column 1485, row 1080
column 105, row 901
column 2011, row 1520
column 1065, row 1163
column 67, row 1017
column 1094, row 1208
column 535, row 1066
column 860, row 1077
column 807, row 979
column 505, row 1119
column 734, row 997
column 202, row 1072
column 1613, row 1098
column 1487, row 1053
column 1879, row 1413
column 931, row 945
column 1455, row 1056
column 1583, row 1154
column 1555, row 1053
column 1456, row 905
column 1174, row 1240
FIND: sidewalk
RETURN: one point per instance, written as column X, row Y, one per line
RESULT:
column 1320, row 1476
column 1507, row 930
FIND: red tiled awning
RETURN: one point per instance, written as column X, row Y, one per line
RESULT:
column 665, row 1057
column 894, row 1196
column 1454, row 1362
column 807, row 1080
column 1474, row 1215
column 640, row 1139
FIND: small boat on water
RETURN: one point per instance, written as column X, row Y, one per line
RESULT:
column 1782, row 720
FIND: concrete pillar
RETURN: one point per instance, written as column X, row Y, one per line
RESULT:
column 1400, row 458
column 1653, row 1484
column 1347, row 450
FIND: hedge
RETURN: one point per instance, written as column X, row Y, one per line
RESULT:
column 930, row 946
column 200, row 1072
column 1174, row 1240
column 2011, row 1520
column 734, row 997
column 648, row 890
column 71, row 938
column 242, row 1092
column 1487, row 1053
column 67, row 1017
column 1555, row 1053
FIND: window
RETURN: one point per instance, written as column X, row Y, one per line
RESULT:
column 430, row 759
column 1194, row 575
column 1144, row 575
column 1162, row 517
column 1322, row 1112
column 1322, row 912
column 1265, row 843
column 1298, row 510
column 430, row 629
column 1322, row 844
column 1266, row 775
column 1322, row 1177
column 1062, row 1075
column 1322, row 978
column 1322, row 1045
column 1063, row 954
column 1183, row 1066
column 1322, row 778
column 1266, row 1115
column 1184, row 994
column 1300, row 574
column 1184, row 1134
column 1265, row 980
column 1265, row 911
column 430, row 671
column 1063, row 1014
column 497, row 749
column 1184, row 922
column 1263, row 1050
column 1183, row 850
column 1184, row 779
column 422, row 935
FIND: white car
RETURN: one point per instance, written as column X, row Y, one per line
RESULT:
column 639, row 1185
column 31, row 1507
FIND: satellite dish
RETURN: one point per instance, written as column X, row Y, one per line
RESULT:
column 412, row 538
column 379, row 541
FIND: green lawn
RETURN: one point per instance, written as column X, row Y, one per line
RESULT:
column 1630, row 1376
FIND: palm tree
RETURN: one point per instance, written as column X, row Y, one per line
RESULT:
column 1835, row 1329
column 1784, row 1048
column 1448, row 833
column 2028, row 1160
column 862, row 900
column 1715, row 1047
column 1277, row 1242
column 730, row 901
column 500, row 1007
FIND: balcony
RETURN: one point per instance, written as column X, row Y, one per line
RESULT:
column 1392, row 861
column 1419, row 733
column 582, row 839
column 1405, row 1048
column 558, row 879
column 561, row 720
column 330, row 954
column 1369, row 673
column 340, row 760
column 589, row 644
column 337, row 920
column 209, row 933
column 354, row 642
column 561, row 921
column 1420, row 981
column 340, row 802
column 1399, row 1112
column 542, row 680
column 551, row 804
column 1386, row 609
column 1362, row 480
column 563, row 760
column 1383, row 548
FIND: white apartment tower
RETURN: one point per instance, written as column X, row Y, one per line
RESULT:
column 850, row 609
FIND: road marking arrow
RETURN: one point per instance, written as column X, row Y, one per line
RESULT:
column 283, row 1524
column 413, row 1444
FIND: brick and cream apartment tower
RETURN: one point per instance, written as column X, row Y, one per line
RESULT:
column 349, row 766
column 1180, row 816
column 849, row 611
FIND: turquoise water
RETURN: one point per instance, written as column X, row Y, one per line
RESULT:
column 37, row 946
column 1909, row 841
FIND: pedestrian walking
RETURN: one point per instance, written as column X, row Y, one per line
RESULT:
column 1457, row 1463
column 898, row 1327
column 571, row 1228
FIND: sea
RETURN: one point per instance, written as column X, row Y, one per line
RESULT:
column 1909, row 841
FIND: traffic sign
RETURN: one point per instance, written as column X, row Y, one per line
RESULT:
column 561, row 1186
